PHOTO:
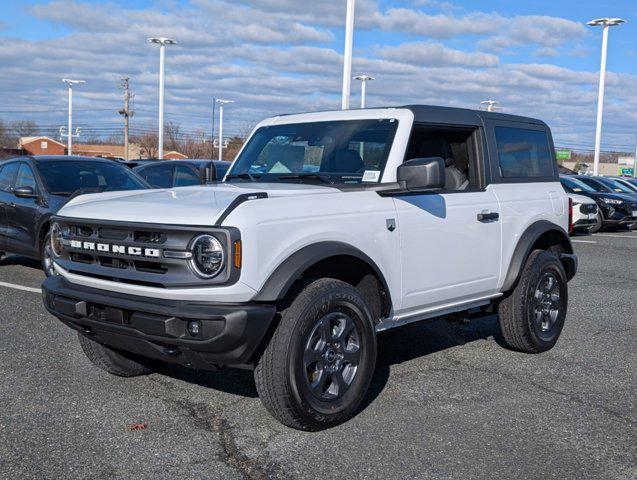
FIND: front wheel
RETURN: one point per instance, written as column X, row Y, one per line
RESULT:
column 599, row 223
column 117, row 363
column 532, row 316
column 319, row 363
column 47, row 257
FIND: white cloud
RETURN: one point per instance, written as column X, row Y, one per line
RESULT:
column 428, row 54
column 277, row 56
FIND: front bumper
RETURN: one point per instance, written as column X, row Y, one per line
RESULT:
column 157, row 328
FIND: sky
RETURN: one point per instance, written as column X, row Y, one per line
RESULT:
column 536, row 57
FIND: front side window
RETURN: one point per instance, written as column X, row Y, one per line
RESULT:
column 351, row 151
column 524, row 153
column 67, row 177
column 25, row 177
column 7, row 175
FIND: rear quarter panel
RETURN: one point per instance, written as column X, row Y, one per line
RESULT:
column 521, row 205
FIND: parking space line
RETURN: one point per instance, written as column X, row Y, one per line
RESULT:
column 614, row 236
column 20, row 287
column 582, row 241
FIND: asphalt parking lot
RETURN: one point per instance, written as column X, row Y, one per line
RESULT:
column 447, row 400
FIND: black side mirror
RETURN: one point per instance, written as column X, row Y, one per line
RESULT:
column 25, row 192
column 422, row 174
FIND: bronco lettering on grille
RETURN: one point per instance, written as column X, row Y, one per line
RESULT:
column 117, row 249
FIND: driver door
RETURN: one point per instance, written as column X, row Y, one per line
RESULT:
column 7, row 176
column 22, row 217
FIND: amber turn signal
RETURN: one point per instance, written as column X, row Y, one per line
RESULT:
column 237, row 254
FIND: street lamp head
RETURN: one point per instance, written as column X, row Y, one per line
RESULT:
column 364, row 78
column 221, row 101
column 162, row 41
column 71, row 82
column 603, row 22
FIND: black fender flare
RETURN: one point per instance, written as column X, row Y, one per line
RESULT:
column 281, row 280
column 525, row 245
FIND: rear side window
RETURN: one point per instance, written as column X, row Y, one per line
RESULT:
column 7, row 175
column 159, row 176
column 185, row 177
column 524, row 153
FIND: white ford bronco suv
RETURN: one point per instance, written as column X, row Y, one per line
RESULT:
column 328, row 228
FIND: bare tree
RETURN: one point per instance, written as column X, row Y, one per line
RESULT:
column 172, row 135
column 23, row 128
column 147, row 144
column 5, row 138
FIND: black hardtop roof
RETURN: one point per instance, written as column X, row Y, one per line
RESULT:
column 463, row 116
column 451, row 115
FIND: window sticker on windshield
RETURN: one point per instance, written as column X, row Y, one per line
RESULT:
column 371, row 175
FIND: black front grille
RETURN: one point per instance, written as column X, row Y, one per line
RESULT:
column 134, row 253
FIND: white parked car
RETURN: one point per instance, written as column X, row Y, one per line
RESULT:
column 329, row 228
column 584, row 212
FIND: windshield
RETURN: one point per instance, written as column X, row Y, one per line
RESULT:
column 617, row 186
column 352, row 151
column 575, row 185
column 67, row 177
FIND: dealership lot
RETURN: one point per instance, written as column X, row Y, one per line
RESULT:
column 446, row 402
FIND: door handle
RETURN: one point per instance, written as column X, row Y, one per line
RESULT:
column 486, row 217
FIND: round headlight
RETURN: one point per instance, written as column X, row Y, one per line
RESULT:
column 207, row 256
column 56, row 240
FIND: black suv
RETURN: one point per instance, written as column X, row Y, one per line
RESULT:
column 34, row 188
column 615, row 209
column 182, row 173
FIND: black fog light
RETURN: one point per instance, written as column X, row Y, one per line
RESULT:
column 194, row 328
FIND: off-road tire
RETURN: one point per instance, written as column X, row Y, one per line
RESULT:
column 517, row 310
column 114, row 362
column 281, row 373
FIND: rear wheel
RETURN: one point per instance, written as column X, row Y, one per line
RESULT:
column 319, row 363
column 532, row 316
column 112, row 361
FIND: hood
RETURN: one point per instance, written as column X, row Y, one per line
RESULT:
column 617, row 196
column 577, row 198
column 200, row 205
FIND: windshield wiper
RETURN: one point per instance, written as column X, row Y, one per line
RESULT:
column 243, row 176
column 324, row 177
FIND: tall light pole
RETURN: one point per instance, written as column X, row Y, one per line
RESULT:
column 221, row 103
column 70, row 84
column 347, row 53
column 364, row 79
column 605, row 23
column 162, row 42
column 491, row 105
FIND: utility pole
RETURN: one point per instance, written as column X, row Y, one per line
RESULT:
column 126, row 113
column 347, row 54
column 70, row 84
